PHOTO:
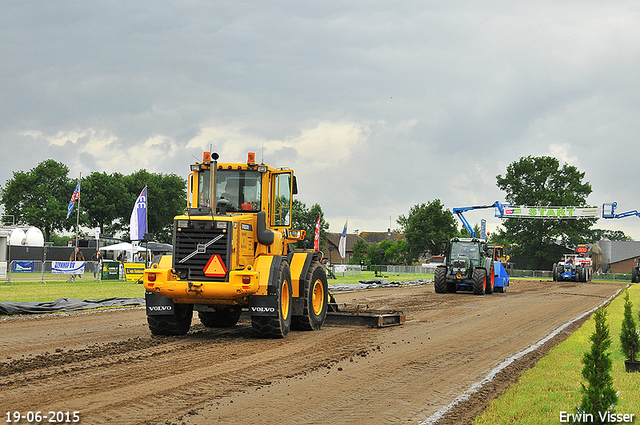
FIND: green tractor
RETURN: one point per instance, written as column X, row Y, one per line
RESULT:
column 468, row 266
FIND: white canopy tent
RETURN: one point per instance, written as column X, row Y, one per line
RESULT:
column 122, row 246
column 127, row 247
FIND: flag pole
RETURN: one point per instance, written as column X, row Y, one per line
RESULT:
column 147, row 263
column 78, row 216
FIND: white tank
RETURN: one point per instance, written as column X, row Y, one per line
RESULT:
column 34, row 237
column 17, row 237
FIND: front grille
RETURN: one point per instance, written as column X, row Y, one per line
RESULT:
column 193, row 247
column 459, row 264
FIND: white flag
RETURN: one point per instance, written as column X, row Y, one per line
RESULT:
column 138, row 223
column 342, row 246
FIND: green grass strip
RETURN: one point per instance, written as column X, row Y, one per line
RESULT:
column 553, row 385
column 369, row 275
column 82, row 289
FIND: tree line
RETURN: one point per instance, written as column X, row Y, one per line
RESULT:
column 539, row 181
column 40, row 197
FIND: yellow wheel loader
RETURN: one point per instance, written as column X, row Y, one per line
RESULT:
column 232, row 251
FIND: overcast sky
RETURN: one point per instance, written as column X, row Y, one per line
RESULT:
column 377, row 105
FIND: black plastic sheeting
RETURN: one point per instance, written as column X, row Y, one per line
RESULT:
column 10, row 308
column 376, row 283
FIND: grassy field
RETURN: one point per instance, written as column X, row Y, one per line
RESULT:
column 81, row 289
column 553, row 385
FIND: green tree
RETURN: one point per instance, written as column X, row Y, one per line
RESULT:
column 376, row 254
column 105, row 201
column 40, row 197
column 464, row 233
column 541, row 181
column 166, row 198
column 500, row 237
column 396, row 253
column 360, row 253
column 306, row 219
column 598, row 395
column 425, row 228
column 629, row 339
column 612, row 235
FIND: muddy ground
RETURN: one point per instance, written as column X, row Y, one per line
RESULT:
column 107, row 366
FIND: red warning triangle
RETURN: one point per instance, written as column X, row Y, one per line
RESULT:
column 215, row 267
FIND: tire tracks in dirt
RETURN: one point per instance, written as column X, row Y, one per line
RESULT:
column 108, row 366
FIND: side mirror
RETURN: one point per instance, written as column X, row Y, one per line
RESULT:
column 295, row 185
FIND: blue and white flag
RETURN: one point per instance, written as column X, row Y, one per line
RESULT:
column 342, row 246
column 74, row 197
column 138, row 222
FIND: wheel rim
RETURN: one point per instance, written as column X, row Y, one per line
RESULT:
column 284, row 299
column 318, row 297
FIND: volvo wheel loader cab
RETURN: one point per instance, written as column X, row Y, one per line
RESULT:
column 232, row 251
column 467, row 267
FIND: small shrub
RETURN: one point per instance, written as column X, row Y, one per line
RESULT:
column 598, row 396
column 629, row 338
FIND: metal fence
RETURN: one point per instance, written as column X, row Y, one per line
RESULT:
column 40, row 271
column 346, row 270
column 350, row 270
column 410, row 269
column 356, row 270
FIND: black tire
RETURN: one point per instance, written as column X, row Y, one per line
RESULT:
column 315, row 295
column 490, row 280
column 479, row 281
column 580, row 273
column 559, row 271
column 221, row 318
column 439, row 280
column 554, row 272
column 277, row 326
column 635, row 277
column 174, row 324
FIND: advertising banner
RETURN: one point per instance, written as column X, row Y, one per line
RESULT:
column 23, row 266
column 3, row 269
column 110, row 270
column 67, row 267
column 551, row 212
column 134, row 272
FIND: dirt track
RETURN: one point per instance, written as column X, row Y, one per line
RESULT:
column 107, row 366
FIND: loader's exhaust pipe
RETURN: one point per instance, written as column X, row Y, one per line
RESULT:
column 213, row 178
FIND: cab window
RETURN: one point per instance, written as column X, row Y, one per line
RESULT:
column 281, row 207
column 240, row 188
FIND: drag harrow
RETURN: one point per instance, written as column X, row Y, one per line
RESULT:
column 362, row 315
